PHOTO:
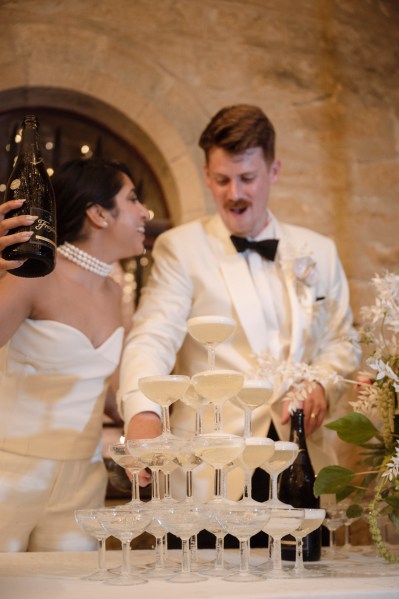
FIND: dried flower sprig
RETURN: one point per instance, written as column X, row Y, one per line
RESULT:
column 392, row 470
column 299, row 377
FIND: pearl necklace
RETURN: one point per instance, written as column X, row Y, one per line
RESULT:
column 84, row 260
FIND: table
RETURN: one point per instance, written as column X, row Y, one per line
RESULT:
column 58, row 576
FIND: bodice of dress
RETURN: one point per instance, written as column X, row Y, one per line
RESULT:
column 53, row 383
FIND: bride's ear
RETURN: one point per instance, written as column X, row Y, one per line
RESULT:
column 97, row 216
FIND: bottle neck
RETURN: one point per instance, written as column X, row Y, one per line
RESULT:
column 30, row 141
column 297, row 432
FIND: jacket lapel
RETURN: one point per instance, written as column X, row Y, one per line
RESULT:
column 235, row 272
column 245, row 300
column 301, row 297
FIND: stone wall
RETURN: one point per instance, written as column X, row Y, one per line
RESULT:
column 325, row 71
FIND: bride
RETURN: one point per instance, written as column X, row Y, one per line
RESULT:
column 60, row 341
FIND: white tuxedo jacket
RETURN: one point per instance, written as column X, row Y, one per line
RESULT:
column 197, row 271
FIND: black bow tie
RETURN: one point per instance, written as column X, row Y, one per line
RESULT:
column 266, row 248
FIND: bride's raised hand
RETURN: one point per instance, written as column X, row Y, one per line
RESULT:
column 6, row 225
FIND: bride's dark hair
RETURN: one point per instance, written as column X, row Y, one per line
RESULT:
column 79, row 184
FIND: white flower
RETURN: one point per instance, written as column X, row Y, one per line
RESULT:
column 383, row 369
column 385, row 311
column 367, row 402
column 299, row 263
column 305, row 270
column 392, row 470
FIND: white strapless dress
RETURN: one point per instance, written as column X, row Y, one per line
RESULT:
column 53, row 383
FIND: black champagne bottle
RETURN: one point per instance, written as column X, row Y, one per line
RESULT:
column 296, row 488
column 30, row 181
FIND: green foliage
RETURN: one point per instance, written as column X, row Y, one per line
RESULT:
column 368, row 479
column 345, row 492
column 393, row 501
column 354, row 511
column 354, row 428
column 395, row 520
column 373, row 460
column 357, row 429
column 332, row 479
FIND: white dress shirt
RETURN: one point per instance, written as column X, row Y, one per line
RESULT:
column 272, row 292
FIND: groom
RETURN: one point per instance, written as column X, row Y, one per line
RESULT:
column 290, row 301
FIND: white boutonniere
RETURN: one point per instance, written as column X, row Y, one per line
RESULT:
column 301, row 268
column 305, row 271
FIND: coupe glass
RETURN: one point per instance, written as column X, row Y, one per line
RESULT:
column 218, row 451
column 284, row 455
column 187, row 459
column 210, row 331
column 335, row 518
column 243, row 520
column 192, row 399
column 219, row 567
column 167, row 470
column 184, row 521
column 347, row 546
column 257, row 451
column 155, row 454
column 121, row 455
column 158, row 454
column 125, row 525
column 217, row 386
column 164, row 390
column 254, row 393
column 161, row 568
column 88, row 521
column 313, row 518
column 282, row 522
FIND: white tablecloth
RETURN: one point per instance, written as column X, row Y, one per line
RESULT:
column 58, row 576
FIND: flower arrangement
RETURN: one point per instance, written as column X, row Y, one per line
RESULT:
column 374, row 423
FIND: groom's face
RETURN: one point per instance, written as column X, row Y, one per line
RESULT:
column 240, row 184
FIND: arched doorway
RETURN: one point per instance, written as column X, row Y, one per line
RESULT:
column 81, row 126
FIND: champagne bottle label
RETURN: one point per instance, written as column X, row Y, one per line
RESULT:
column 43, row 228
column 15, row 184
